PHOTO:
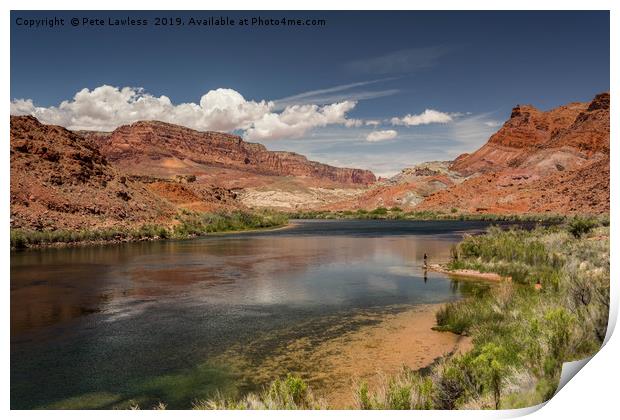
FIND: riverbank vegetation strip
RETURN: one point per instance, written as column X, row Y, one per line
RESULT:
column 396, row 213
column 187, row 224
column 554, row 310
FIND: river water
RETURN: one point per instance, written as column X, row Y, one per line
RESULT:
column 176, row 321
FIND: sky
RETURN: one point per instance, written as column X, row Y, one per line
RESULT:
column 373, row 90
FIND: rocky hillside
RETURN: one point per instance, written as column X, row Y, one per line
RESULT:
column 554, row 161
column 61, row 180
column 539, row 161
column 164, row 149
column 405, row 190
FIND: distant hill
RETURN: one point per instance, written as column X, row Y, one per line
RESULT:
column 162, row 149
column 555, row 161
column 61, row 180
column 145, row 172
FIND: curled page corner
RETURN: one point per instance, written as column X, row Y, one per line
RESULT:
column 521, row 412
column 611, row 320
column 570, row 369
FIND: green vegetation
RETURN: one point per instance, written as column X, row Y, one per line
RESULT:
column 291, row 393
column 516, row 253
column 187, row 224
column 521, row 333
column 554, row 311
column 580, row 226
column 396, row 213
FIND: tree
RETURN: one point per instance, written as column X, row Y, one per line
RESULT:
column 492, row 370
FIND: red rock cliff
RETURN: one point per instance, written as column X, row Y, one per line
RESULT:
column 554, row 161
column 156, row 140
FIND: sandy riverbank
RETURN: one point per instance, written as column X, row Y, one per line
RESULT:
column 334, row 362
column 402, row 339
column 474, row 274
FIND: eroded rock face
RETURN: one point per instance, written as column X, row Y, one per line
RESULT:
column 147, row 142
column 60, row 180
column 555, row 161
column 404, row 190
column 538, row 141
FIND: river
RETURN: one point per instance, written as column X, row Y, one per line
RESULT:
column 175, row 321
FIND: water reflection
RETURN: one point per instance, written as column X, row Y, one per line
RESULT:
column 96, row 320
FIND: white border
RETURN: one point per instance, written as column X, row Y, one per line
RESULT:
column 591, row 394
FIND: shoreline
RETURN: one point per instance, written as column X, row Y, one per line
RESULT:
column 106, row 242
column 468, row 273
column 407, row 338
column 425, row 215
column 289, row 225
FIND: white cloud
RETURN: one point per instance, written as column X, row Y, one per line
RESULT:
column 429, row 116
column 106, row 107
column 295, row 120
column 359, row 123
column 493, row 123
column 336, row 94
column 381, row 135
column 353, row 123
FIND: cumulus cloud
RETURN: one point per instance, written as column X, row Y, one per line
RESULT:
column 381, row 135
column 295, row 120
column 429, row 116
column 106, row 107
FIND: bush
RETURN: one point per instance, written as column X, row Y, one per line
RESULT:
column 398, row 396
column 492, row 369
column 379, row 211
column 579, row 226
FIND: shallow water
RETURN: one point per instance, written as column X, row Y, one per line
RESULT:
column 97, row 327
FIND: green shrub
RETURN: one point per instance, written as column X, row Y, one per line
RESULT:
column 492, row 369
column 362, row 397
column 398, row 396
column 580, row 226
column 379, row 211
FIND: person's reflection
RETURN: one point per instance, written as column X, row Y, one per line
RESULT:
column 425, row 275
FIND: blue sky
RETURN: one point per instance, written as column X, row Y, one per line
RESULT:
column 320, row 90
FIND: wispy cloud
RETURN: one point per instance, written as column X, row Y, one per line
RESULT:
column 346, row 92
column 400, row 62
column 472, row 132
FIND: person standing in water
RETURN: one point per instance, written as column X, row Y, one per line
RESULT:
column 425, row 260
